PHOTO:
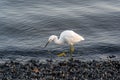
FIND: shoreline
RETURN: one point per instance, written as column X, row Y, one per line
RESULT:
column 65, row 70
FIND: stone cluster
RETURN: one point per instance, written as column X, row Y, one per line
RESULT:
column 62, row 70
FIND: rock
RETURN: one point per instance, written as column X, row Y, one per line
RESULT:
column 63, row 70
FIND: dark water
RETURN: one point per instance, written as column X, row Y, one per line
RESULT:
column 25, row 26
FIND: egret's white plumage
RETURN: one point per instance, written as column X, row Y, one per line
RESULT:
column 70, row 37
column 67, row 36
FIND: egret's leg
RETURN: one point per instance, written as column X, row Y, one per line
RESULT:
column 71, row 50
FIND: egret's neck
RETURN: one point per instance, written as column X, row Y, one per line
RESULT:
column 57, row 41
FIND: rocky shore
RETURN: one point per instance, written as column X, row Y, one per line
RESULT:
column 62, row 70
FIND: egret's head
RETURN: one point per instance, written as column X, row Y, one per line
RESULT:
column 51, row 38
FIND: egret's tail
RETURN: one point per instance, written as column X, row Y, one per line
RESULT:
column 82, row 38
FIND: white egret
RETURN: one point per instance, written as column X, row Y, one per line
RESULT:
column 67, row 36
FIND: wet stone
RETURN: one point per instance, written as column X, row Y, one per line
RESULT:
column 63, row 70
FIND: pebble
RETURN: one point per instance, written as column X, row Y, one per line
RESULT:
column 63, row 70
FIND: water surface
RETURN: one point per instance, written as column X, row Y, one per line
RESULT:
column 25, row 26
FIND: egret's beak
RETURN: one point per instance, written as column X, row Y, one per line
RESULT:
column 46, row 44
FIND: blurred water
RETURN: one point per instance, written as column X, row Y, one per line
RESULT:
column 25, row 26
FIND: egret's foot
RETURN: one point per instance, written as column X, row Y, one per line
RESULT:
column 63, row 54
